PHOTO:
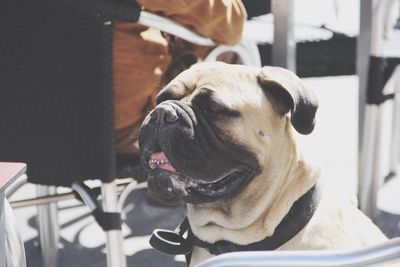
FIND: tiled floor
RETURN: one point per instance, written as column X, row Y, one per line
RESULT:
column 333, row 144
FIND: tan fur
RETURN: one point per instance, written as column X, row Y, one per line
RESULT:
column 285, row 177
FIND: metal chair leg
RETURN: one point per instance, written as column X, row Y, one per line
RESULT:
column 3, row 252
column 367, row 198
column 114, row 242
column 379, row 158
column 48, row 227
column 395, row 153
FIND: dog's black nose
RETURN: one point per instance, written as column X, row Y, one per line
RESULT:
column 164, row 113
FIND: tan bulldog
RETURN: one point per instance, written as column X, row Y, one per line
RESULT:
column 221, row 139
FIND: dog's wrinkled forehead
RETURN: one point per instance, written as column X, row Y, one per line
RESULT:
column 226, row 82
column 240, row 86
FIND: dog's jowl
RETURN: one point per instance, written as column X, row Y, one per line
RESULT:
column 221, row 139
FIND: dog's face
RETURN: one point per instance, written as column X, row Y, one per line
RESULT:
column 215, row 126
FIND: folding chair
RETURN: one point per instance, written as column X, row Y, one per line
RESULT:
column 380, row 147
column 56, row 103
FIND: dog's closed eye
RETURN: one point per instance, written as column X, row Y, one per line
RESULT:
column 208, row 104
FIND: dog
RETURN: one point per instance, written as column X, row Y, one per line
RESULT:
column 221, row 139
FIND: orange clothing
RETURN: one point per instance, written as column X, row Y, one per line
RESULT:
column 220, row 20
column 142, row 56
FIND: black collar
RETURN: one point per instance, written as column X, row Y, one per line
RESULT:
column 297, row 218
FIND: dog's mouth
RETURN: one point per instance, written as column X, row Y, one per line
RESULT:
column 170, row 181
column 159, row 160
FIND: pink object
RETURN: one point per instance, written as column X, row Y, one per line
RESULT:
column 10, row 171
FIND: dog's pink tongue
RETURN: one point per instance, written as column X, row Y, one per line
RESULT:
column 159, row 160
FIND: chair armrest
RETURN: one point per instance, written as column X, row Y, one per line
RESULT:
column 388, row 252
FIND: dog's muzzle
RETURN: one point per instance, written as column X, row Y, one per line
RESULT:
column 186, row 159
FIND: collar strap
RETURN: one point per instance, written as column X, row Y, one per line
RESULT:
column 296, row 219
column 173, row 242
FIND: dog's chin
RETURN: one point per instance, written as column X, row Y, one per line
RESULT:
column 171, row 185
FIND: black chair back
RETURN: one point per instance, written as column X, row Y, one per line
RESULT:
column 56, row 87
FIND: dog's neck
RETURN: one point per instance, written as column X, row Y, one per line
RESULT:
column 256, row 212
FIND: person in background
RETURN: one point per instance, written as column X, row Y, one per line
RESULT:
column 146, row 59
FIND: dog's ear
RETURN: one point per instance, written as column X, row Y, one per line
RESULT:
column 289, row 94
